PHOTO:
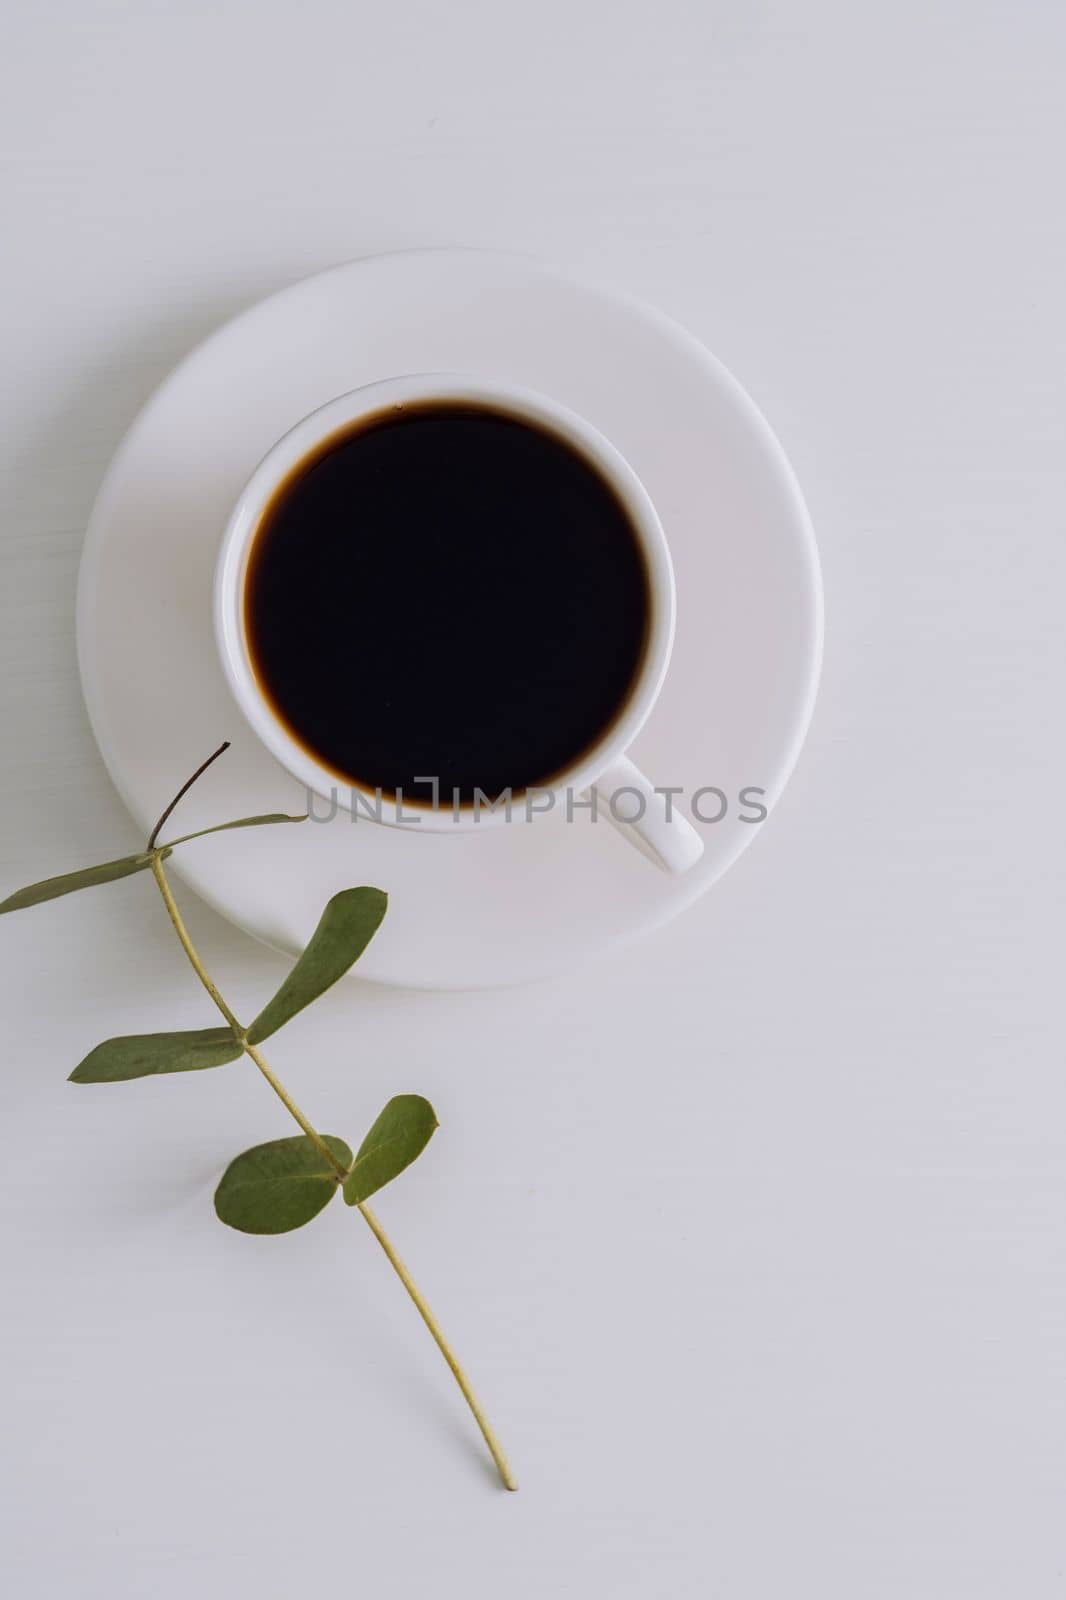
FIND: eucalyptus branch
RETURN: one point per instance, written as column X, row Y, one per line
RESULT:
column 282, row 1185
column 342, row 1172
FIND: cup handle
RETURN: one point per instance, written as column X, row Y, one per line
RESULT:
column 660, row 832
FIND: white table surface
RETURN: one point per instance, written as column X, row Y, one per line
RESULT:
column 752, row 1236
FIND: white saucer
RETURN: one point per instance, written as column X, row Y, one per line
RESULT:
column 517, row 902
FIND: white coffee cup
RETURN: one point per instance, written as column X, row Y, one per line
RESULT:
column 622, row 792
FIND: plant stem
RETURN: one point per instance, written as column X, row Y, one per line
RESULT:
column 495, row 1448
column 187, row 944
column 186, row 786
column 294, row 1111
column 341, row 1170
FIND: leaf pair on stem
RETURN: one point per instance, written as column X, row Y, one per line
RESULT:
column 275, row 1187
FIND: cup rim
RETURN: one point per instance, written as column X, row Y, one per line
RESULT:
column 336, row 417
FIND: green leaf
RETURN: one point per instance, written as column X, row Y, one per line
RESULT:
column 276, row 1187
column 348, row 924
column 242, row 822
column 87, row 878
column 397, row 1138
column 143, row 1055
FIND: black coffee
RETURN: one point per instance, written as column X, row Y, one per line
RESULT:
column 446, row 593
